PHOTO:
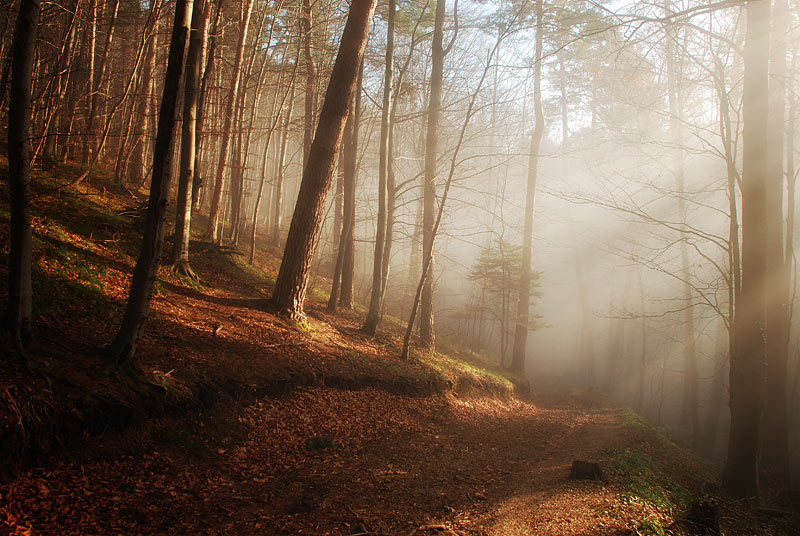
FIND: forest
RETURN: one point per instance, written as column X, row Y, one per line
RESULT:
column 400, row 267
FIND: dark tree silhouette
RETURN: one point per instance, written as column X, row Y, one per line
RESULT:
column 20, row 293
column 120, row 353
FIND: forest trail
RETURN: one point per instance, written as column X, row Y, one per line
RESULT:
column 339, row 462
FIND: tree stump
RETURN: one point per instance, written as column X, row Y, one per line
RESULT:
column 582, row 470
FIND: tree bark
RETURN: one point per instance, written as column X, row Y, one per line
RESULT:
column 120, row 353
column 208, row 54
column 524, row 293
column 775, row 440
column 290, row 286
column 138, row 166
column 378, row 268
column 308, row 125
column 350, row 155
column 20, row 293
column 747, row 362
column 426, row 332
column 183, row 214
column 277, row 199
column 230, row 112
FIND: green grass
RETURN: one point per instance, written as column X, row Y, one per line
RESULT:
column 645, row 479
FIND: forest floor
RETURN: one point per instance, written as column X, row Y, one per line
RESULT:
column 250, row 424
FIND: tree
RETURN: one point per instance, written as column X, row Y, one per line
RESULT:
column 438, row 53
column 290, row 286
column 230, row 114
column 524, row 293
column 775, row 439
column 188, row 161
column 20, row 293
column 747, row 363
column 120, row 353
column 379, row 258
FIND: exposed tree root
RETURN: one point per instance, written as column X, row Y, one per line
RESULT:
column 183, row 269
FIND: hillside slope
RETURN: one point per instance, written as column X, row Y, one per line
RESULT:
column 249, row 424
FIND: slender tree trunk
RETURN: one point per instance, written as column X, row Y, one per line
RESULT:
column 198, row 181
column 183, row 214
column 716, row 401
column 99, row 79
column 311, row 81
column 333, row 299
column 350, row 155
column 277, row 199
column 20, row 294
column 230, row 113
column 292, row 280
column 277, row 117
column 91, row 51
column 138, row 166
column 427, row 334
column 747, row 364
column 689, row 406
column 376, row 298
column 524, row 293
column 120, row 353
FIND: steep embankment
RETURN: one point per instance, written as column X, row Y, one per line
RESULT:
column 251, row 425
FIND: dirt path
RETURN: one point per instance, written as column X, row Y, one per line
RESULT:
column 327, row 461
column 322, row 456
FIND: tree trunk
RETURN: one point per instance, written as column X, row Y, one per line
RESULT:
column 427, row 334
column 230, row 111
column 524, row 293
column 747, row 362
column 183, row 214
column 91, row 53
column 272, row 127
column 121, row 351
column 716, row 401
column 308, row 125
column 138, row 166
column 20, row 294
column 775, row 440
column 198, row 181
column 378, row 287
column 277, row 199
column 350, row 155
column 689, row 406
column 336, row 280
column 290, row 286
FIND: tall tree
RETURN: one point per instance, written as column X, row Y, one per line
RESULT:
column 378, row 281
column 188, row 161
column 775, row 443
column 228, row 118
column 689, row 410
column 438, row 52
column 20, row 293
column 747, row 363
column 120, row 353
column 350, row 166
column 290, row 286
column 524, row 293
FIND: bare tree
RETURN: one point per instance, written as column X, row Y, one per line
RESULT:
column 120, row 353
column 524, row 293
column 747, row 364
column 290, row 286
column 20, row 294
